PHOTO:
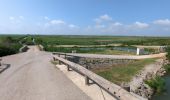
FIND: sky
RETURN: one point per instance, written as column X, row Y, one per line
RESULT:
column 86, row 17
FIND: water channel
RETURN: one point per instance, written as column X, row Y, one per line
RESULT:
column 126, row 49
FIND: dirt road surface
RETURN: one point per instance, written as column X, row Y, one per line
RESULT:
column 160, row 55
column 31, row 76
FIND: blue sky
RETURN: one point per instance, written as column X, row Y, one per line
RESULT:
column 85, row 17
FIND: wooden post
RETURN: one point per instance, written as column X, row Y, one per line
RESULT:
column 65, row 56
column 54, row 59
column 68, row 68
column 87, row 78
column 59, row 60
column 125, row 86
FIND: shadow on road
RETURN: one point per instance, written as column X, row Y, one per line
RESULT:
column 4, row 67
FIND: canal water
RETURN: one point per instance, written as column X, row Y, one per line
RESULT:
column 165, row 95
column 119, row 48
column 127, row 49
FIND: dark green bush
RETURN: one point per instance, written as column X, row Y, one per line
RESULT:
column 167, row 67
column 168, row 53
column 5, row 50
column 157, row 83
column 9, row 46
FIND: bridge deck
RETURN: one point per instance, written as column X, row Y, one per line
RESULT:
column 31, row 76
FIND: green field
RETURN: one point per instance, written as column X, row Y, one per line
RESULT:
column 14, row 37
column 53, row 42
column 94, row 40
column 123, row 73
column 28, row 40
column 102, row 40
column 57, row 43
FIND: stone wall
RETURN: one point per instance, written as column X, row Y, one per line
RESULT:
column 94, row 63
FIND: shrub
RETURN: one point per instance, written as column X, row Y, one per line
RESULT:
column 167, row 67
column 9, row 46
column 168, row 53
column 157, row 83
column 6, row 51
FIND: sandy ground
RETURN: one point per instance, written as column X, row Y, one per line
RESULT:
column 31, row 76
column 118, row 56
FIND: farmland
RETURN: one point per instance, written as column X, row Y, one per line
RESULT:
column 83, row 44
column 102, row 40
column 88, row 44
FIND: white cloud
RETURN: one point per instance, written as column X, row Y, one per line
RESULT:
column 16, row 20
column 117, row 24
column 21, row 17
column 99, row 26
column 57, row 22
column 58, row 27
column 162, row 22
column 46, row 18
column 104, row 25
column 103, row 18
column 141, row 25
column 117, row 28
column 11, row 18
column 73, row 26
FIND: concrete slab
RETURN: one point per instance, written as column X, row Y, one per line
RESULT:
column 93, row 90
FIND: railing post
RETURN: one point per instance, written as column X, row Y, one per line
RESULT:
column 68, row 68
column 0, row 62
column 54, row 59
column 125, row 86
column 59, row 60
column 87, row 78
column 65, row 56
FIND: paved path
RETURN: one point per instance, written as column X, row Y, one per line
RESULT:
column 118, row 56
column 153, row 47
column 31, row 76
